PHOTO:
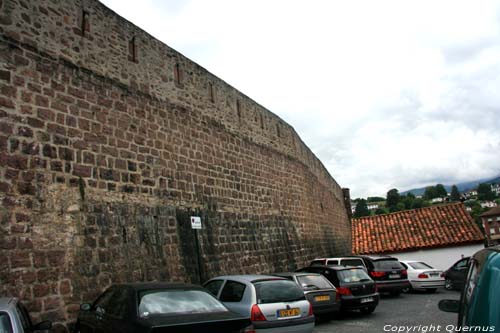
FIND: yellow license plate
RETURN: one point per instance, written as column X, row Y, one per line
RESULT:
column 322, row 298
column 289, row 312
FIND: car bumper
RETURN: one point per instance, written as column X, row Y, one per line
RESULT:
column 430, row 284
column 359, row 302
column 305, row 325
column 323, row 309
column 389, row 286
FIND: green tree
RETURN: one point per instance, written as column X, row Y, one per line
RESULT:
column 484, row 192
column 392, row 198
column 430, row 193
column 381, row 211
column 361, row 209
column 440, row 191
column 374, row 199
column 455, row 195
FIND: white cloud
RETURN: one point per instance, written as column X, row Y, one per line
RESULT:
column 387, row 93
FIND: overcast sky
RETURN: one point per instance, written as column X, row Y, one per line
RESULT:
column 386, row 93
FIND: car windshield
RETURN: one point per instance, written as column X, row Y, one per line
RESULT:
column 5, row 325
column 173, row 302
column 387, row 264
column 312, row 282
column 272, row 291
column 353, row 275
column 419, row 265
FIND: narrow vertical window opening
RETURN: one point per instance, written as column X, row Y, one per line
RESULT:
column 278, row 130
column 211, row 92
column 84, row 22
column 261, row 121
column 238, row 108
column 177, row 74
column 132, row 50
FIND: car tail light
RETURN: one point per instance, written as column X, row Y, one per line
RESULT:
column 442, row 275
column 256, row 314
column 376, row 274
column 344, row 291
column 404, row 272
column 310, row 313
column 423, row 276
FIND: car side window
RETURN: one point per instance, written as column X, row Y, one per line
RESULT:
column 462, row 264
column 101, row 304
column 232, row 292
column 351, row 262
column 23, row 316
column 118, row 303
column 214, row 286
column 332, row 262
column 5, row 324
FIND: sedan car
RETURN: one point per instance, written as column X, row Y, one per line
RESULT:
column 355, row 289
column 423, row 276
column 320, row 292
column 455, row 275
column 273, row 304
column 158, row 308
column 14, row 318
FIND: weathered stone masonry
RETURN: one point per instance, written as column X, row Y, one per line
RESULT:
column 110, row 140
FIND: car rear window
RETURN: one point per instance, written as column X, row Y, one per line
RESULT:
column 419, row 265
column 177, row 301
column 387, row 264
column 312, row 282
column 272, row 291
column 5, row 325
column 352, row 262
column 353, row 275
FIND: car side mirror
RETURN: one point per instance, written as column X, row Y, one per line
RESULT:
column 449, row 305
column 44, row 325
column 85, row 307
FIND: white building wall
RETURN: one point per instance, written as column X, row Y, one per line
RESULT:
column 441, row 258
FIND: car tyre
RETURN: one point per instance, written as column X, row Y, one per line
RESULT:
column 367, row 310
column 448, row 285
column 408, row 289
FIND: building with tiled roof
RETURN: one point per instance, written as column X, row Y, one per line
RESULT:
column 491, row 225
column 438, row 234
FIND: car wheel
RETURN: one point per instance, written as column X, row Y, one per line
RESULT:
column 431, row 290
column 367, row 310
column 448, row 285
column 407, row 289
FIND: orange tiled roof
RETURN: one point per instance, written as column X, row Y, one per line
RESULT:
column 435, row 226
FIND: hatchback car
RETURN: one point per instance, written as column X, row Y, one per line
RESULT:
column 273, row 304
column 479, row 304
column 158, row 308
column 14, row 318
column 454, row 277
column 320, row 292
column 355, row 289
column 387, row 272
column 423, row 276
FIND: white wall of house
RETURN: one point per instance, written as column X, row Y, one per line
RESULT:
column 441, row 258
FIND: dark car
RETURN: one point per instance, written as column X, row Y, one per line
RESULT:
column 454, row 277
column 355, row 289
column 387, row 272
column 320, row 292
column 158, row 308
column 479, row 304
column 15, row 318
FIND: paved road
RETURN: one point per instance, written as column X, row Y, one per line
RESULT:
column 406, row 310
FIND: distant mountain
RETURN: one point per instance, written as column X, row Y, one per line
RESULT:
column 462, row 187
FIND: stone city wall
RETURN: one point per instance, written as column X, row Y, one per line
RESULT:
column 110, row 140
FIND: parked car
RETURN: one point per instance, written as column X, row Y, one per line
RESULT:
column 14, row 318
column 320, row 292
column 273, row 304
column 454, row 277
column 341, row 261
column 158, row 308
column 423, row 276
column 387, row 272
column 355, row 289
column 479, row 304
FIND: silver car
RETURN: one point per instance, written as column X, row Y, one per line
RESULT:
column 273, row 304
column 14, row 318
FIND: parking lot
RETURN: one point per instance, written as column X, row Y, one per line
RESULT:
column 409, row 310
